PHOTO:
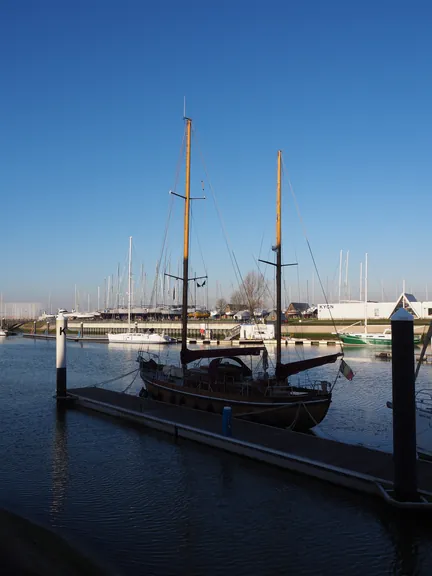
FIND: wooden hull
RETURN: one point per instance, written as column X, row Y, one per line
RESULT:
column 299, row 412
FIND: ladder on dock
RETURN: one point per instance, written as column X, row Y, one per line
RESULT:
column 234, row 333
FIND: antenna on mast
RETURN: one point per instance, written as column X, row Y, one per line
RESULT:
column 184, row 106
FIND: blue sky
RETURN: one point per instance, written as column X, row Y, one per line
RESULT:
column 91, row 128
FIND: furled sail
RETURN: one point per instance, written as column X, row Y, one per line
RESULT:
column 285, row 370
column 187, row 355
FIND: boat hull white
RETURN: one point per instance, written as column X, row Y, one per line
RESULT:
column 140, row 338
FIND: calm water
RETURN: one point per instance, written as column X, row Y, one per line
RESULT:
column 146, row 505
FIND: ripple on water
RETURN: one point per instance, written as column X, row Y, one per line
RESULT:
column 149, row 505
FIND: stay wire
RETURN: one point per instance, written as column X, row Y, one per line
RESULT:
column 170, row 209
column 311, row 253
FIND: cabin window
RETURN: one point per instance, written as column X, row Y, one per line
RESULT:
column 429, row 311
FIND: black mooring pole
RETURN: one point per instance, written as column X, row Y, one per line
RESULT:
column 404, row 410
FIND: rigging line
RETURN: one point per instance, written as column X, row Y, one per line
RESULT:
column 225, row 234
column 266, row 287
column 243, row 287
column 311, row 253
column 262, row 240
column 159, row 261
column 257, row 262
column 197, row 241
column 285, row 292
column 170, row 208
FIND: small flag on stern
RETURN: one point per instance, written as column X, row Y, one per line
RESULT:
column 346, row 370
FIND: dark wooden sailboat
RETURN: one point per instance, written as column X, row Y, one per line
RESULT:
column 226, row 380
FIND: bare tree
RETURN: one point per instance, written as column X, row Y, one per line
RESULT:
column 251, row 292
column 221, row 305
column 237, row 301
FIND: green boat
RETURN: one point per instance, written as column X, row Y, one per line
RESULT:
column 365, row 339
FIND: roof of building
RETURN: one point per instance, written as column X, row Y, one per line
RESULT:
column 298, row 306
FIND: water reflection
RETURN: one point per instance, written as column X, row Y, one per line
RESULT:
column 404, row 536
column 149, row 504
column 60, row 467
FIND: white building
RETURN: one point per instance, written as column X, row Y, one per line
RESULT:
column 374, row 310
column 257, row 331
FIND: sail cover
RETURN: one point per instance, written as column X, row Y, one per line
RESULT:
column 285, row 370
column 187, row 355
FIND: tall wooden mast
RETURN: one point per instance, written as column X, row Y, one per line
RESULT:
column 278, row 260
column 186, row 237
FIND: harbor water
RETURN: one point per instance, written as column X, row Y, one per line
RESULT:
column 142, row 503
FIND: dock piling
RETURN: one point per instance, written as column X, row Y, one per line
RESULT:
column 404, row 409
column 61, row 326
column 227, row 421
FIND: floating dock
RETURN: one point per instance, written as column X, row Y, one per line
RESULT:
column 70, row 338
column 350, row 466
column 284, row 341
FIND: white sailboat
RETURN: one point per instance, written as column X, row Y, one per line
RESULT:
column 130, row 337
column 3, row 331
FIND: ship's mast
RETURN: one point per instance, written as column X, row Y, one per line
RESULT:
column 278, row 261
column 186, row 237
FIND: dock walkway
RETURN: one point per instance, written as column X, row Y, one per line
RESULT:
column 348, row 465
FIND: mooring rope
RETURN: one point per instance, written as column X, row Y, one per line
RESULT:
column 116, row 378
column 129, row 385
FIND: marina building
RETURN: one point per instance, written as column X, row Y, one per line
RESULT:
column 358, row 310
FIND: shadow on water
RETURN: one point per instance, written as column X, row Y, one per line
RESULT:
column 411, row 536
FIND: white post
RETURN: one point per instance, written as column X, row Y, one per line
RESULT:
column 403, row 293
column 366, row 291
column 340, row 274
column 61, row 326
